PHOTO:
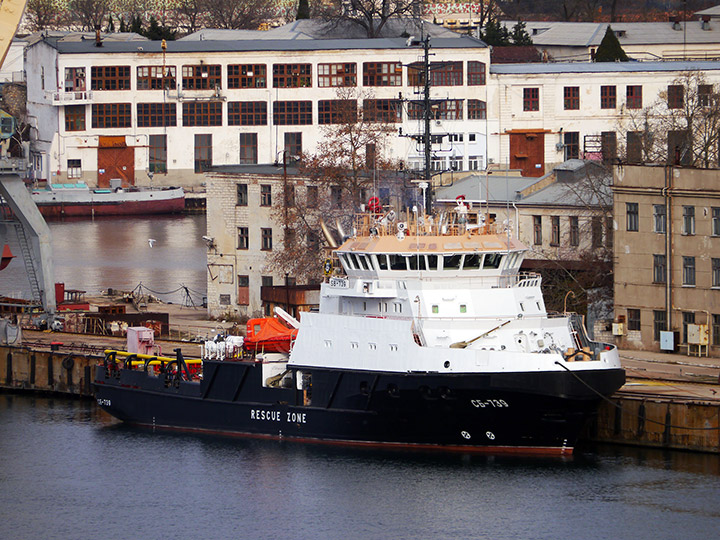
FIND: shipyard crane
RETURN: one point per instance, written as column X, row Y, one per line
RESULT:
column 12, row 187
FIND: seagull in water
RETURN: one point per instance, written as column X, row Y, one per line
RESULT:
column 151, row 242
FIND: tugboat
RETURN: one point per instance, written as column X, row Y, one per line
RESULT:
column 427, row 336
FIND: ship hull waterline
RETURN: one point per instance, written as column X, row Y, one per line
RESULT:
column 518, row 413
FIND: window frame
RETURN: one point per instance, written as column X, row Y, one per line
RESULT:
column 247, row 113
column 266, row 241
column 202, row 113
column 531, row 99
column 689, row 272
column 337, row 74
column 476, row 73
column 109, row 78
column 633, row 96
column 374, row 74
column 247, row 76
column 156, row 114
column 202, row 152
column 292, row 113
column 634, row 319
column 157, row 154
column 337, row 111
column 148, row 79
column 75, row 117
column 243, row 237
column 608, row 96
column 111, row 115
column 296, row 75
column 632, row 214
column 659, row 268
column 476, row 109
column 675, row 96
column 248, row 147
column 688, row 217
column 571, row 98
column 193, row 77
column 265, row 195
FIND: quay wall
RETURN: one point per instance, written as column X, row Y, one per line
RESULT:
column 632, row 419
column 659, row 422
column 59, row 372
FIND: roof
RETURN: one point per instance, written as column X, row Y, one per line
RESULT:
column 605, row 67
column 515, row 55
column 588, row 34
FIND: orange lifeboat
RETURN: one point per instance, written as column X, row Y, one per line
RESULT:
column 268, row 334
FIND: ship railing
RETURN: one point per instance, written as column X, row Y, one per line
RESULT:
column 173, row 369
column 409, row 223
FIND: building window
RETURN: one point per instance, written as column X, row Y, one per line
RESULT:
column 202, row 113
column 609, row 232
column 596, row 232
column 689, row 271
column 203, row 152
column 289, row 192
column 633, row 97
column 243, row 237
column 265, row 195
column 292, row 75
column 634, row 148
column 247, row 76
column 336, row 75
column 242, row 195
column 675, row 96
column 382, row 74
column 705, row 92
column 477, row 109
column 292, row 113
column 537, row 230
column 475, row 163
column 608, row 97
column 659, row 323
column 74, row 117
column 715, row 272
column 449, row 109
column 631, row 209
column 633, row 318
column 688, row 220
column 574, row 231
column 243, row 294
column 475, row 73
column 75, row 80
column 659, row 218
column 571, row 96
column 311, row 196
column 156, row 78
column 266, row 239
column 201, row 77
column 336, row 196
column 572, row 144
column 555, row 230
column 110, row 78
column 248, row 148
column 441, row 74
column 247, row 113
column 266, row 281
column 716, row 221
column 531, row 99
column 157, row 153
column 111, row 115
column 337, row 111
column 608, row 140
column 293, row 145
column 716, row 329
column 156, row 114
column 688, row 318
column 659, row 269
column 382, row 110
column 74, row 168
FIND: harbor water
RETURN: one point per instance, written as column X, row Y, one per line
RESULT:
column 163, row 253
column 69, row 471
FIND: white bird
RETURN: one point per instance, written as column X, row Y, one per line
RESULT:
column 151, row 242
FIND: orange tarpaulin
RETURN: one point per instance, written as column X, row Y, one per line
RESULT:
column 268, row 334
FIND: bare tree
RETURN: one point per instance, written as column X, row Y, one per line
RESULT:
column 682, row 126
column 89, row 14
column 43, row 14
column 370, row 15
column 190, row 15
column 238, row 14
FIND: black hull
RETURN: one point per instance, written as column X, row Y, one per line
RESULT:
column 514, row 412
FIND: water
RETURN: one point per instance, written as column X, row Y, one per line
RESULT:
column 94, row 255
column 68, row 472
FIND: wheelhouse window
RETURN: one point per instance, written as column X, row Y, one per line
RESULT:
column 247, row 76
column 571, row 98
column 531, row 99
column 202, row 113
column 337, row 75
column 441, row 74
column 156, row 78
column 608, row 97
column 247, row 113
column 475, row 73
column 110, row 78
column 201, row 77
column 292, row 75
column 382, row 74
column 111, row 115
column 292, row 113
column 156, row 114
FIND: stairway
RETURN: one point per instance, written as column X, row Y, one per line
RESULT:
column 26, row 251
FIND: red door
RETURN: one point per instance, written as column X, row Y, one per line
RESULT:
column 527, row 153
column 115, row 160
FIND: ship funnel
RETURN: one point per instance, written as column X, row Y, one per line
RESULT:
column 328, row 235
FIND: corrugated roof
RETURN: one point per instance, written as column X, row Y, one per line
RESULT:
column 604, row 67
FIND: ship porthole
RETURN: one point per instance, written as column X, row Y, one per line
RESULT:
column 447, row 364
